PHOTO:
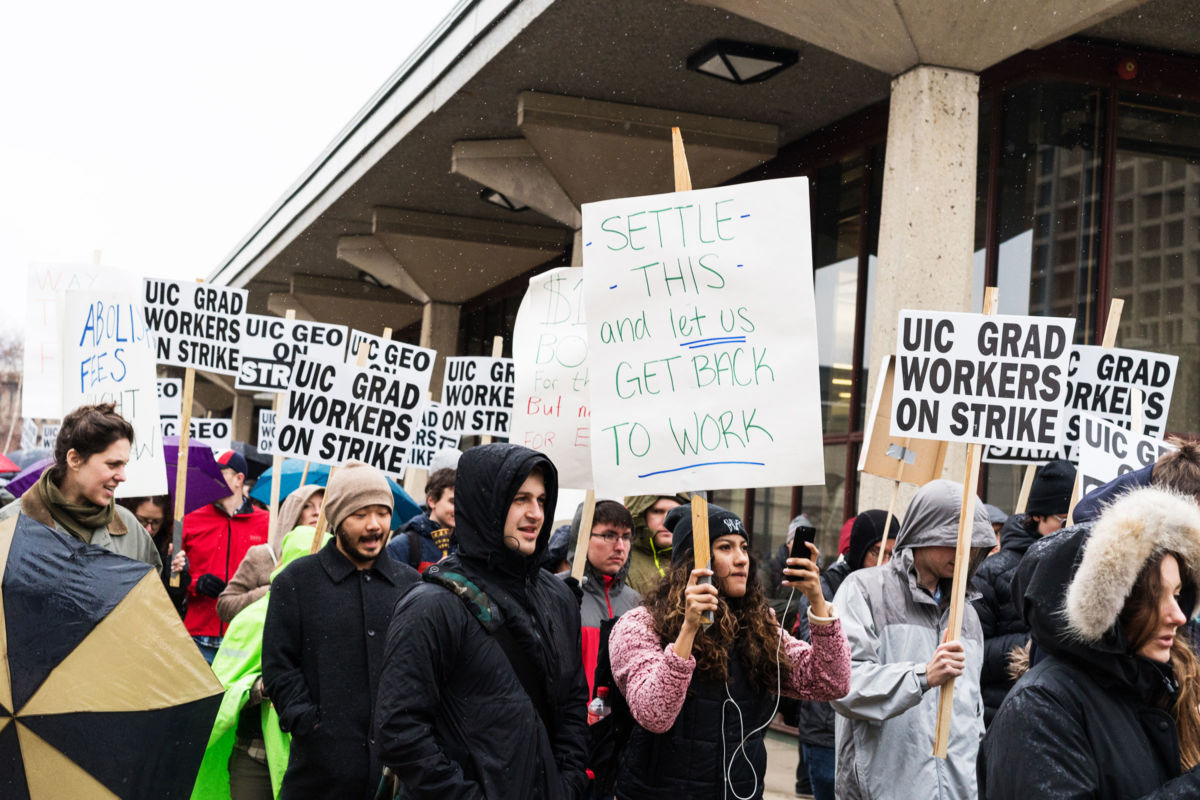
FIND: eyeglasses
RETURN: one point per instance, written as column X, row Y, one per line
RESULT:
column 1062, row 518
column 610, row 537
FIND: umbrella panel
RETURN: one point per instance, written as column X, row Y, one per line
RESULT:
column 12, row 766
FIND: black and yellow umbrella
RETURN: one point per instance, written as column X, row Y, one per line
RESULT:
column 102, row 692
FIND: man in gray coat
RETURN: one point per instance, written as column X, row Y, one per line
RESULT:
column 895, row 619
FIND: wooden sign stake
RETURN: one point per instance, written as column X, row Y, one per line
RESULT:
column 585, row 535
column 962, row 559
column 363, row 349
column 1026, row 488
column 1110, row 340
column 887, row 520
column 181, row 462
column 497, row 351
column 277, row 461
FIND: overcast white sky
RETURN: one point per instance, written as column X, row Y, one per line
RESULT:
column 159, row 133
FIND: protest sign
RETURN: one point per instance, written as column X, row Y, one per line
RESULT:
column 478, row 394
column 271, row 345
column 1101, row 381
column 49, row 436
column 266, row 430
column 702, row 339
column 195, row 324
column 334, row 412
column 905, row 460
column 41, row 389
column 550, row 410
column 435, row 433
column 29, row 434
column 170, row 397
column 216, row 432
column 981, row 379
column 387, row 355
column 107, row 356
column 1108, row 451
column 1016, row 454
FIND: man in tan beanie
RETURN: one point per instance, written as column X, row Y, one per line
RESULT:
column 323, row 640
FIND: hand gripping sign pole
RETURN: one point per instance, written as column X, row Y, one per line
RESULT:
column 277, row 461
column 962, row 558
column 185, row 424
column 1110, row 340
column 700, row 544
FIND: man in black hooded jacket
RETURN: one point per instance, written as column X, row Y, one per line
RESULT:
column 483, row 692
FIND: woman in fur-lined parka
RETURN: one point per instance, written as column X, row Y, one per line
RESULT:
column 1112, row 709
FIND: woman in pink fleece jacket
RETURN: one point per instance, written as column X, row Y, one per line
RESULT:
column 703, row 697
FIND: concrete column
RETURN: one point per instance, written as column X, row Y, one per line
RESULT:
column 243, row 417
column 927, row 222
column 439, row 330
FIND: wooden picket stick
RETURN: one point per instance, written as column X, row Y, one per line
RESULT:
column 304, row 473
column 1026, row 488
column 185, row 424
column 497, row 351
column 887, row 520
column 363, row 349
column 585, row 535
column 1110, row 340
column 277, row 460
column 962, row 559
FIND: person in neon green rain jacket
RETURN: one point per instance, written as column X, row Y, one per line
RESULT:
column 238, row 665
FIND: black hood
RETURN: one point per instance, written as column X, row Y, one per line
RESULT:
column 485, row 484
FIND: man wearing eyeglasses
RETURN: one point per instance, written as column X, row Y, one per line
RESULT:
column 605, row 593
column 1003, row 628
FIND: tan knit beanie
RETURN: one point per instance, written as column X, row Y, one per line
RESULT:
column 353, row 486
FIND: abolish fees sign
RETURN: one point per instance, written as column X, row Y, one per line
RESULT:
column 550, row 350
column 335, row 412
column 478, row 394
column 197, row 325
column 702, row 340
column 271, row 346
column 1108, row 451
column 997, row 380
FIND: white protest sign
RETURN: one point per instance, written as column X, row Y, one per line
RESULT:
column 266, row 430
column 271, row 345
column 215, row 432
column 335, row 412
column 1107, row 451
column 170, row 397
column 41, row 390
column 49, row 436
column 1016, row 454
column 1101, row 380
column 433, row 435
column 550, row 409
column 29, row 432
column 196, row 324
column 478, row 394
column 387, row 355
column 107, row 356
column 702, row 340
column 995, row 379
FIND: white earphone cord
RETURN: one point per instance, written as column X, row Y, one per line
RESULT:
column 727, row 767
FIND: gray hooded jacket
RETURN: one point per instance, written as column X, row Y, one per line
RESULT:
column 885, row 725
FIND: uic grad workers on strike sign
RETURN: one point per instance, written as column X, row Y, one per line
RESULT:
column 477, row 393
column 196, row 325
column 271, row 345
column 335, row 412
column 702, row 340
column 984, row 379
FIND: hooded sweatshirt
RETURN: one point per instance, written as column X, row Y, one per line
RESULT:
column 1090, row 719
column 648, row 564
column 453, row 718
column 885, row 724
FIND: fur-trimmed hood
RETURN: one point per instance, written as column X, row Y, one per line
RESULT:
column 1134, row 529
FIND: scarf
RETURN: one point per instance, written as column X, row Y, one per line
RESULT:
column 79, row 519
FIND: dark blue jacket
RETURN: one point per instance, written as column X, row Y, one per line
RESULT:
column 398, row 548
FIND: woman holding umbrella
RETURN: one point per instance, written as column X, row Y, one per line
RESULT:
column 75, row 495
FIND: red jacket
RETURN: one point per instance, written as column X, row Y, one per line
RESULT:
column 217, row 543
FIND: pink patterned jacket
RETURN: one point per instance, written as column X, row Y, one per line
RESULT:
column 654, row 680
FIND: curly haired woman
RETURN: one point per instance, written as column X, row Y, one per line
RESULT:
column 702, row 698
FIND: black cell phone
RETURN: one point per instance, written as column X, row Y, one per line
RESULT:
column 800, row 542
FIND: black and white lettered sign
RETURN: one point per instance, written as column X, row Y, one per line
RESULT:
column 49, row 435
column 266, row 430
column 170, row 397
column 195, row 324
column 997, row 380
column 216, row 432
column 1108, row 451
column 271, row 345
column 336, row 412
column 1017, row 454
column 397, row 358
column 1101, row 382
column 478, row 393
column 436, row 433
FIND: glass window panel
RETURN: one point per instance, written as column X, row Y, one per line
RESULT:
column 825, row 505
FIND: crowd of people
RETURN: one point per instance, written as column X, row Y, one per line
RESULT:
column 456, row 657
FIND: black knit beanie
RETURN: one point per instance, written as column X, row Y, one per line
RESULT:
column 721, row 522
column 1051, row 490
column 866, row 531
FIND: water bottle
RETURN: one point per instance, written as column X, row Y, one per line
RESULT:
column 599, row 708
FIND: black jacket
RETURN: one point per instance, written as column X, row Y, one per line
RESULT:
column 1087, row 720
column 453, row 720
column 815, row 725
column 1003, row 628
column 323, row 644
